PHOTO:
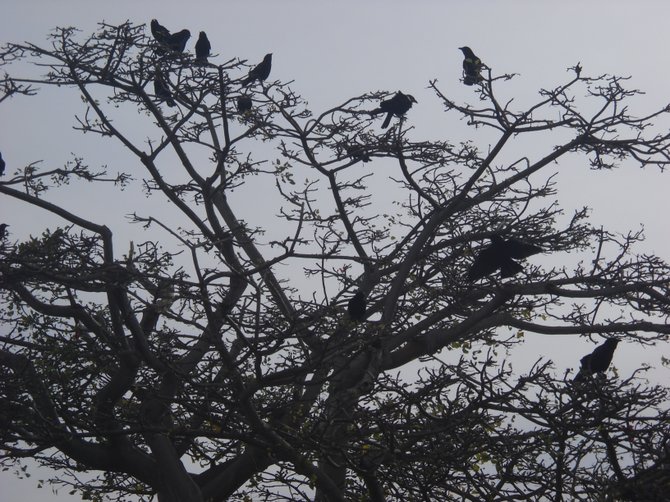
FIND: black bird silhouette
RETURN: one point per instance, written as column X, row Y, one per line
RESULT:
column 202, row 48
column 500, row 255
column 244, row 104
column 397, row 105
column 3, row 231
column 356, row 307
column 161, row 90
column 261, row 71
column 177, row 41
column 357, row 152
column 472, row 67
column 2, row 165
column 160, row 32
column 597, row 361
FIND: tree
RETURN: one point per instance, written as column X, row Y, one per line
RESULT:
column 232, row 370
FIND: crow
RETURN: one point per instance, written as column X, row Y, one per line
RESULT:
column 3, row 231
column 160, row 32
column 161, row 90
column 356, row 307
column 177, row 41
column 2, row 165
column 259, row 72
column 244, row 104
column 202, row 48
column 357, row 152
column 472, row 67
column 597, row 361
column 500, row 255
column 397, row 105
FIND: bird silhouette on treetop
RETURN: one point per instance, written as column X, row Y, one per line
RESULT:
column 177, row 41
column 472, row 67
column 398, row 105
column 160, row 32
column 173, row 41
column 599, row 360
column 500, row 255
column 202, row 48
column 260, row 72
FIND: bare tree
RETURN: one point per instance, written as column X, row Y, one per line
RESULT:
column 218, row 360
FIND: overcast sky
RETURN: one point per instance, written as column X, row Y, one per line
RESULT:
column 335, row 50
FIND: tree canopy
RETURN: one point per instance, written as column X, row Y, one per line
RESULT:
column 306, row 320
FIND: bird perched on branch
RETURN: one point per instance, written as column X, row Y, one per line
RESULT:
column 173, row 41
column 260, row 72
column 398, row 105
column 2, row 165
column 177, row 41
column 356, row 307
column 244, row 104
column 357, row 152
column 160, row 32
column 500, row 255
column 202, row 48
column 3, row 231
column 597, row 361
column 162, row 91
column 472, row 67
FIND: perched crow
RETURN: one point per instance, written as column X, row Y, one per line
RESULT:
column 261, row 71
column 356, row 307
column 202, row 48
column 472, row 67
column 177, row 41
column 160, row 32
column 597, row 361
column 161, row 90
column 3, row 231
column 500, row 255
column 357, row 152
column 397, row 105
column 2, row 165
column 244, row 104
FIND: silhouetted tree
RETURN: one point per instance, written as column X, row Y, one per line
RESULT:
column 218, row 360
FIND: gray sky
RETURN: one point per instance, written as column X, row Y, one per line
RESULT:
column 335, row 50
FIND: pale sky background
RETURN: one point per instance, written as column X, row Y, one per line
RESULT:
column 335, row 50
